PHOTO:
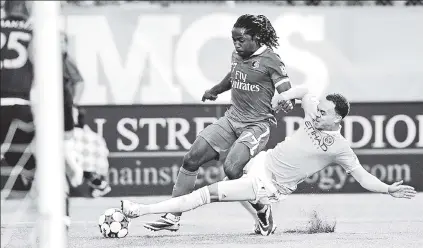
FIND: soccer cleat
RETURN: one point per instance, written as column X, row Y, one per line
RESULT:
column 265, row 221
column 167, row 222
column 130, row 209
column 257, row 229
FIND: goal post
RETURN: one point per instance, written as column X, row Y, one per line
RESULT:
column 49, row 127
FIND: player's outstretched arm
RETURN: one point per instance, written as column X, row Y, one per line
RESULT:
column 297, row 92
column 223, row 86
column 232, row 190
column 372, row 183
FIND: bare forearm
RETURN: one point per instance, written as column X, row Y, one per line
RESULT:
column 223, row 86
column 297, row 92
column 371, row 183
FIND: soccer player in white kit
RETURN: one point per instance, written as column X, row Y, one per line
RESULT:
column 274, row 174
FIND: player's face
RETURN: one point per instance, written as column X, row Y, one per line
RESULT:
column 326, row 117
column 245, row 45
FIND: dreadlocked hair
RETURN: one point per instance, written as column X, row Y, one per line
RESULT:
column 259, row 26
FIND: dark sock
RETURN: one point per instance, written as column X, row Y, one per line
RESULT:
column 185, row 183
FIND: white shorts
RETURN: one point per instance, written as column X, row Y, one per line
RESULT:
column 265, row 189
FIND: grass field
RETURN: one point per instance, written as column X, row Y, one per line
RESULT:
column 363, row 220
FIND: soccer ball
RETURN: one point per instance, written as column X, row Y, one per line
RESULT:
column 113, row 223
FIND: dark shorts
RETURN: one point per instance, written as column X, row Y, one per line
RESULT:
column 17, row 133
column 225, row 132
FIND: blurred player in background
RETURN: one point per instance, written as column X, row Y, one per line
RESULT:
column 88, row 149
column 274, row 174
column 256, row 72
column 17, row 127
column 72, row 77
column 92, row 155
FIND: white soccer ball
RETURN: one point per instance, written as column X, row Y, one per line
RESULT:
column 113, row 223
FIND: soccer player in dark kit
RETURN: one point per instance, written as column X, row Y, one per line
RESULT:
column 17, row 74
column 16, row 71
column 256, row 72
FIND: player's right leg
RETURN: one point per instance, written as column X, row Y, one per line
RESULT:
column 201, row 152
column 215, row 138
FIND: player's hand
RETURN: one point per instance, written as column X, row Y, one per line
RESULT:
column 280, row 102
column 287, row 106
column 208, row 96
column 401, row 191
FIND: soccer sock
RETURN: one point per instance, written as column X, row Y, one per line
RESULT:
column 185, row 184
column 178, row 204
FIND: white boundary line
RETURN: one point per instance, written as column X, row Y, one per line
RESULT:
column 156, row 154
column 153, row 154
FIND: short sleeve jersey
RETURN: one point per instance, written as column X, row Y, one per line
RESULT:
column 254, row 81
column 308, row 151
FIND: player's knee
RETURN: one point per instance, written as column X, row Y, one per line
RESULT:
column 191, row 162
column 233, row 172
column 234, row 166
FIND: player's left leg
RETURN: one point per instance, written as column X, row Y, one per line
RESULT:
column 243, row 189
column 252, row 140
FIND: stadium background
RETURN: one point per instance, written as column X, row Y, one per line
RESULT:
column 146, row 65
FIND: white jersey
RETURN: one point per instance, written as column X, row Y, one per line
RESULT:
column 308, row 151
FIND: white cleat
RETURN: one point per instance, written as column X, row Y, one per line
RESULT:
column 167, row 222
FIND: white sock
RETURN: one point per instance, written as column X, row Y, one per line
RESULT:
column 178, row 204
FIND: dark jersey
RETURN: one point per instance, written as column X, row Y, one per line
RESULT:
column 71, row 75
column 16, row 69
column 254, row 81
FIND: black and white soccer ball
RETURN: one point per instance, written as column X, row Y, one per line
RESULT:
column 113, row 223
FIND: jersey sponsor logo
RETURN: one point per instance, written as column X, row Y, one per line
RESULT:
column 245, row 86
column 320, row 139
column 239, row 81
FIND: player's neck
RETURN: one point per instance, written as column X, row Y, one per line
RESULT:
column 257, row 50
column 333, row 128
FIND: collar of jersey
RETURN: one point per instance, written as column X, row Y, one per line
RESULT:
column 333, row 132
column 259, row 51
